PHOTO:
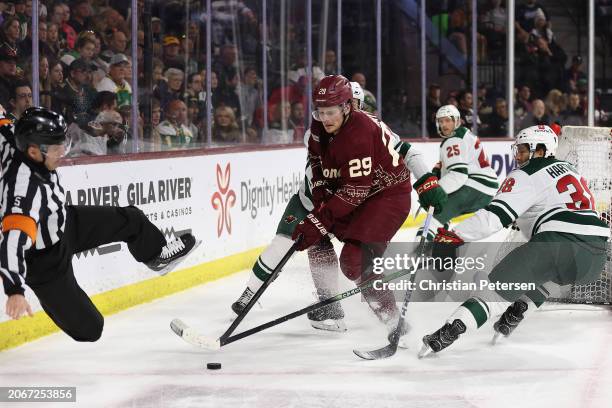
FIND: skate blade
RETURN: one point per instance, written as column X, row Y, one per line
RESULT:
column 329, row 325
column 424, row 352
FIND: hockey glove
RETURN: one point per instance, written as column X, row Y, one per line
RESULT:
column 311, row 229
column 445, row 246
column 430, row 193
column 320, row 193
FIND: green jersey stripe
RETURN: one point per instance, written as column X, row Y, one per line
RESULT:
column 506, row 207
column 484, row 182
column 503, row 216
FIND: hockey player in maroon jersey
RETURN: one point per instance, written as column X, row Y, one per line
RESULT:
column 361, row 188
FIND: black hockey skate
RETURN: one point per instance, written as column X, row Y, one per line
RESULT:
column 174, row 252
column 328, row 318
column 242, row 302
column 508, row 321
column 442, row 338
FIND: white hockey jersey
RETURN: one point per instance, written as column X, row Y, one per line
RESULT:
column 464, row 162
column 545, row 195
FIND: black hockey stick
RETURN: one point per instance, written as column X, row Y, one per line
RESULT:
column 191, row 336
column 391, row 348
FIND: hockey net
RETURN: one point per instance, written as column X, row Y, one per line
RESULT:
column 589, row 149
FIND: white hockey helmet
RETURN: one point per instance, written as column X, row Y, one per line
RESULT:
column 534, row 136
column 448, row 111
column 358, row 93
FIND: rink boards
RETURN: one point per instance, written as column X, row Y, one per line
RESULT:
column 232, row 200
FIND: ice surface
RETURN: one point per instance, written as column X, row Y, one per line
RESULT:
column 557, row 358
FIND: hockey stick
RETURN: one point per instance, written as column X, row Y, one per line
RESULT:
column 192, row 337
column 391, row 348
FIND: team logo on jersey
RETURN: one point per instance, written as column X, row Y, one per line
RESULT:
column 223, row 200
column 290, row 219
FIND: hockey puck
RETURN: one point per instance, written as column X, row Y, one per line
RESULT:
column 213, row 366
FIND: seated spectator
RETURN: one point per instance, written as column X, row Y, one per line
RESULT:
column 228, row 95
column 526, row 13
column 8, row 72
column 369, row 101
column 433, row 104
column 466, row 110
column 574, row 114
column 494, row 21
column 78, row 95
column 296, row 92
column 104, row 100
column 53, row 38
column 250, row 94
column 170, row 89
column 497, row 123
column 193, row 119
column 172, row 53
column 226, row 64
column 331, row 63
column 522, row 104
column 278, row 128
column 555, row 104
column 21, row 99
column 10, row 34
column 225, row 127
column 115, row 80
column 173, row 131
column 116, row 44
column 573, row 74
column 95, row 138
column 195, row 94
column 296, row 121
column 81, row 15
column 537, row 116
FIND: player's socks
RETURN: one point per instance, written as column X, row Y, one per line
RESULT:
column 263, row 268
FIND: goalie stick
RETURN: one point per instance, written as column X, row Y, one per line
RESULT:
column 192, row 337
column 391, row 348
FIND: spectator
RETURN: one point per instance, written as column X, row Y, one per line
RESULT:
column 56, row 78
column 171, row 88
column 433, row 104
column 69, row 31
column 228, row 95
column 173, row 130
column 21, row 98
column 11, row 35
column 331, row 64
column 53, row 38
column 193, row 117
column 158, row 71
column 555, row 104
column 115, row 80
column 117, row 44
column 296, row 92
column 85, row 46
column 8, row 72
column 81, row 15
column 187, row 45
column 574, row 114
column 250, row 94
column 101, row 66
column 465, row 109
column 494, row 21
column 20, row 14
column 522, row 106
column 296, row 121
column 498, row 121
column 226, row 65
column 369, row 101
column 526, row 13
column 195, row 91
column 78, row 95
column 45, row 82
column 537, row 116
column 225, row 127
column 94, row 139
column 171, row 56
column 278, row 128
column 104, row 100
column 573, row 74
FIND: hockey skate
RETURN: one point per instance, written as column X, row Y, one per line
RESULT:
column 328, row 318
column 242, row 302
column 173, row 253
column 508, row 321
column 442, row 338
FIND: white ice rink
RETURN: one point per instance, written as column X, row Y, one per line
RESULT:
column 557, row 358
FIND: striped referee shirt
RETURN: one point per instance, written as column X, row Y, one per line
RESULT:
column 32, row 209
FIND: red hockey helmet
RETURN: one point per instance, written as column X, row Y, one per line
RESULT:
column 333, row 90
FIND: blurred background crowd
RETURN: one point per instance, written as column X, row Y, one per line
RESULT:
column 255, row 86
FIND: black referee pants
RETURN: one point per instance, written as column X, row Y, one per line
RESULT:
column 50, row 273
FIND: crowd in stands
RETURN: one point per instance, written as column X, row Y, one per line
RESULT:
column 85, row 72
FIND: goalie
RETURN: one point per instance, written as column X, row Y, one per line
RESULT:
column 551, row 203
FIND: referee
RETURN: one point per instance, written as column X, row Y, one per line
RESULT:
column 40, row 233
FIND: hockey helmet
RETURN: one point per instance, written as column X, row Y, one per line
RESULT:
column 534, row 136
column 42, row 127
column 448, row 111
column 333, row 90
column 358, row 93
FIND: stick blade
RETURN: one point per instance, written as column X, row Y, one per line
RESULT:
column 192, row 337
column 379, row 354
